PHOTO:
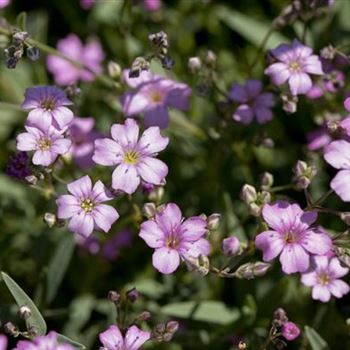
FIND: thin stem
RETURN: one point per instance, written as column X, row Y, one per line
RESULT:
column 261, row 47
column 323, row 198
column 281, row 188
column 7, row 105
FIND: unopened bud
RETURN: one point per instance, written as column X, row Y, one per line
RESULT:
column 167, row 62
column 33, row 53
column 248, row 194
column 194, row 64
column 303, row 174
column 251, row 270
column 156, row 194
column 328, row 52
column 33, row 331
column 19, row 37
column 132, row 294
column 254, row 209
column 266, row 180
column 114, row 70
column 25, row 312
column 50, row 219
column 172, row 326
column 11, row 329
column 264, row 197
column 290, row 103
column 114, row 297
column 31, row 179
column 210, row 59
column 279, row 317
column 231, row 246
column 138, row 65
column 345, row 216
column 213, row 221
column 242, row 345
column 149, row 210
column 143, row 316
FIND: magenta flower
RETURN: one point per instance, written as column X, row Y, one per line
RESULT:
column 324, row 278
column 291, row 236
column 153, row 95
column 48, row 341
column 134, row 157
column 337, row 154
column 47, row 107
column 4, row 3
column 253, row 102
column 84, row 207
column 173, row 238
column 3, row 342
column 290, row 331
column 47, row 145
column 294, row 64
column 330, row 83
column 91, row 56
column 152, row 5
column 318, row 138
column 112, row 338
column 83, row 135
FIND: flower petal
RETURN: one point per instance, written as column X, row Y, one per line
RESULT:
column 193, row 229
column 112, row 338
column 316, row 243
column 152, row 141
column 107, row 152
column 321, row 293
column 125, row 178
column 126, row 134
column 338, row 288
column 68, row 206
column 271, row 243
column 243, row 114
column 294, row 259
column 299, row 83
column 82, row 223
column 341, row 185
column 166, row 260
column 63, row 116
column 135, row 338
column 169, row 218
column 104, row 216
column 152, row 234
column 81, row 188
column 152, row 170
column 157, row 116
column 337, row 154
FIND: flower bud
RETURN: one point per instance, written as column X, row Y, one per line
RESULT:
column 167, row 62
column 114, row 297
column 266, row 180
column 248, row 194
column 33, row 53
column 114, row 70
column 210, row 59
column 194, row 64
column 328, row 52
column 303, row 174
column 138, row 65
column 264, row 197
column 31, row 179
column 33, row 331
column 290, row 331
column 156, row 195
column 279, row 317
column 213, row 221
column 25, row 312
column 251, row 270
column 231, row 246
column 290, row 103
column 254, row 209
column 242, row 345
column 172, row 326
column 11, row 329
column 143, row 316
column 19, row 37
column 50, row 219
column 132, row 294
column 149, row 210
column 345, row 216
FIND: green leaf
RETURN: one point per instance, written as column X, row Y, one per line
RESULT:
column 21, row 21
column 315, row 340
column 63, row 339
column 36, row 319
column 206, row 311
column 249, row 28
column 58, row 266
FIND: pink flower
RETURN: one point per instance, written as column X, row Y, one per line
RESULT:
column 91, row 56
column 4, row 3
column 331, row 83
column 112, row 338
column 152, row 5
column 324, row 276
column 253, row 102
column 47, row 145
column 47, row 105
column 112, row 247
column 86, row 4
column 3, row 342
column 48, row 341
column 83, row 136
column 173, row 238
column 153, row 95
column 318, row 138
column 84, row 207
column 291, row 236
column 290, row 331
column 295, row 63
column 337, row 154
column 134, row 157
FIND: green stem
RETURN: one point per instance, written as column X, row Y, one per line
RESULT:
column 261, row 47
column 7, row 105
column 281, row 188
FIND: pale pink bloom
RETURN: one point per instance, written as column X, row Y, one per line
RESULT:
column 4, row 3
column 152, row 5
column 290, row 331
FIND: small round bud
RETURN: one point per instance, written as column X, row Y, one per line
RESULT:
column 11, row 329
column 31, row 179
column 114, row 297
column 172, row 326
column 143, row 316
column 156, row 194
column 33, row 331
column 248, row 194
column 210, row 59
column 279, row 317
column 194, row 64
column 19, row 37
column 242, row 345
column 251, row 270
column 33, row 53
column 231, row 246
column 290, row 331
column 254, row 209
column 25, row 312
column 266, row 180
column 114, row 70
column 132, row 294
column 50, row 219
column 268, row 143
column 213, row 221
column 167, row 62
column 149, row 210
column 345, row 216
column 290, row 103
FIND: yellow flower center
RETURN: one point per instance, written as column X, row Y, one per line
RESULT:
column 172, row 241
column 44, row 144
column 87, row 205
column 290, row 237
column 323, row 278
column 294, row 67
column 48, row 105
column 156, row 96
column 131, row 157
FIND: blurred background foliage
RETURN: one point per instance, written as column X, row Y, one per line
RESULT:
column 210, row 158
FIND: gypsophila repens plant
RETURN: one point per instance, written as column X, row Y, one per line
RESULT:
column 176, row 175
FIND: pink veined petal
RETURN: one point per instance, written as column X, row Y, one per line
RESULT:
column 271, row 243
column 81, row 188
column 337, row 154
column 39, row 118
column 338, row 288
column 193, row 229
column 26, row 142
column 135, row 338
column 336, row 269
column 321, row 262
column 152, row 234
column 64, row 72
column 63, row 116
column 44, row 158
column 194, row 249
column 313, row 65
column 243, row 114
column 152, row 141
column 166, row 260
column 238, row 93
column 316, row 243
column 100, row 193
column 152, row 170
column 126, row 134
column 299, row 83
column 262, row 114
column 134, row 103
column 321, row 293
column 278, row 73
column 157, row 116
column 112, row 338
column 61, row 146
column 283, row 52
column 68, row 206
column 341, row 185
column 309, row 279
column 294, row 259
column 82, row 223
column 107, row 152
column 169, row 218
column 104, row 216
column 300, row 50
column 125, row 178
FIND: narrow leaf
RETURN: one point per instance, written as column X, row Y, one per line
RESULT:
column 36, row 319
column 21, row 21
column 63, row 339
column 58, row 266
column 315, row 340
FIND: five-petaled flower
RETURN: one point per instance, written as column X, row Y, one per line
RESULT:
column 291, row 236
column 47, row 105
column 174, row 238
column 46, row 144
column 112, row 338
column 324, row 278
column 84, row 207
column 134, row 157
column 294, row 64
